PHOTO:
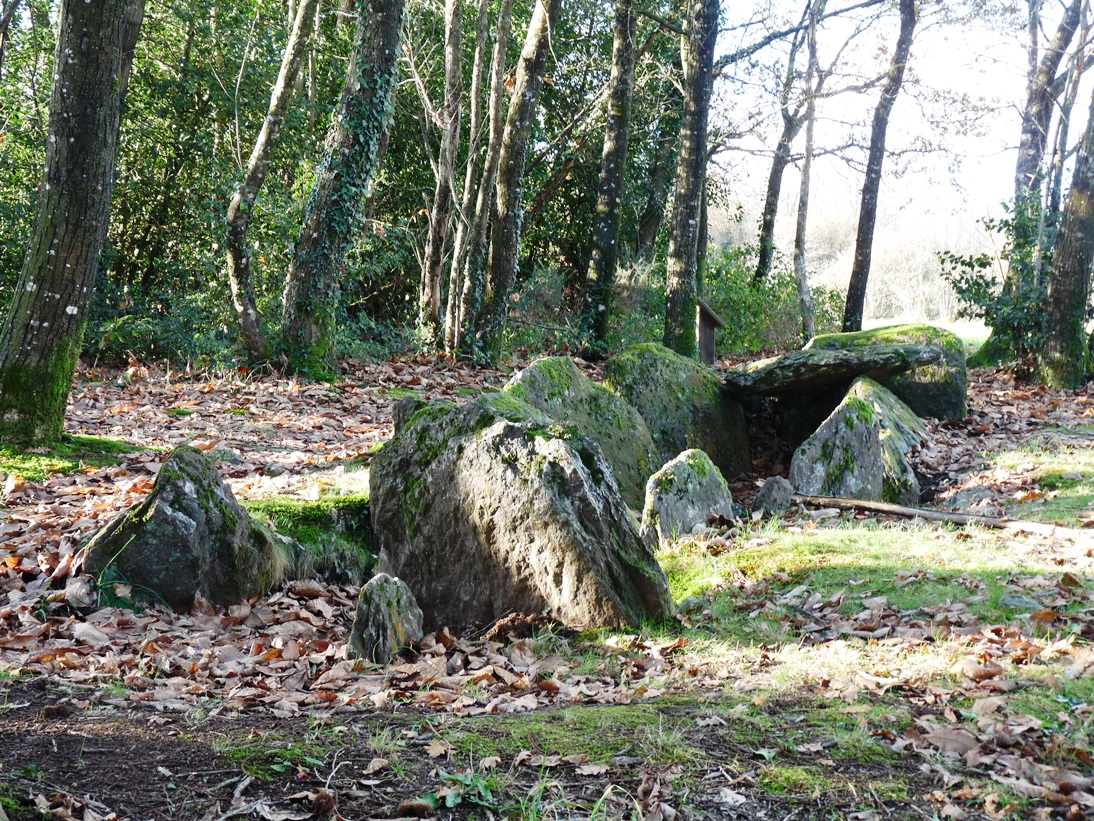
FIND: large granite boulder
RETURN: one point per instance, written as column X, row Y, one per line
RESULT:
column 821, row 368
column 684, row 405
column 492, row 508
column 861, row 451
column 935, row 389
column 557, row 387
column 188, row 537
column 387, row 620
column 681, row 495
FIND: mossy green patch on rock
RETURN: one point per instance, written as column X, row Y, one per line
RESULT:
column 684, row 405
column 939, row 390
column 334, row 533
column 555, row 386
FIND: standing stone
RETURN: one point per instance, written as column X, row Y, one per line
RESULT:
column 188, row 537
column 557, row 387
column 491, row 508
column 387, row 620
column 682, row 495
column 684, row 405
column 870, row 432
column 843, row 458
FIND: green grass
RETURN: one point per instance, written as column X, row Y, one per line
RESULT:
column 70, row 454
column 179, row 412
column 1066, row 475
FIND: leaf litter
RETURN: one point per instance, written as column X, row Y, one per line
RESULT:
column 284, row 656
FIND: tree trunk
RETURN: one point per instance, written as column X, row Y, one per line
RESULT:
column 766, row 250
column 474, row 275
column 1028, row 170
column 690, row 177
column 5, row 23
column 505, row 229
column 1065, row 360
column 600, row 278
column 801, row 272
column 342, row 182
column 471, row 176
column 41, row 338
column 653, row 213
column 429, row 298
column 239, row 209
column 864, row 240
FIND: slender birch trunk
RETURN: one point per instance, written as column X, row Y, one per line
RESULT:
column 258, row 165
column 429, row 297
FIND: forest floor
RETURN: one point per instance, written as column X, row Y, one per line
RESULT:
column 825, row 664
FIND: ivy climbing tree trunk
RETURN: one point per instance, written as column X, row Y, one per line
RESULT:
column 239, row 209
column 505, row 228
column 600, row 279
column 1065, row 360
column 871, row 185
column 41, row 337
column 429, row 299
column 691, row 163
column 335, row 207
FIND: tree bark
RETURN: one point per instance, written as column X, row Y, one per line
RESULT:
column 429, row 298
column 1065, row 360
column 474, row 274
column 505, row 228
column 864, row 240
column 653, row 212
column 5, row 23
column 1036, row 116
column 239, row 209
column 342, row 181
column 472, row 175
column 600, row 278
column 41, row 337
column 690, row 178
column 801, row 272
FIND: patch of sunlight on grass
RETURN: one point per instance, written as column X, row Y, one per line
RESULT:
column 1064, row 473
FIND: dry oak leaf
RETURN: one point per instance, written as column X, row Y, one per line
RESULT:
column 438, row 747
column 952, row 742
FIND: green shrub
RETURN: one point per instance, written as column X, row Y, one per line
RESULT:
column 766, row 316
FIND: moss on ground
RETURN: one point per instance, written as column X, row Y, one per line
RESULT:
column 70, row 454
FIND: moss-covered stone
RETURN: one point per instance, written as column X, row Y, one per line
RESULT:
column 556, row 386
column 492, row 508
column 387, row 620
column 684, row 405
column 862, row 448
column 681, row 495
column 935, row 390
column 189, row 537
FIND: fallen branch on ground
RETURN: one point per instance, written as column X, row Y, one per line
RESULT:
column 1018, row 525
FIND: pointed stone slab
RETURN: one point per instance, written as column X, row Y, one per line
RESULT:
column 815, row 369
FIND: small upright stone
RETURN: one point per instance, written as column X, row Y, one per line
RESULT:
column 774, row 496
column 188, row 537
column 682, row 495
column 387, row 620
